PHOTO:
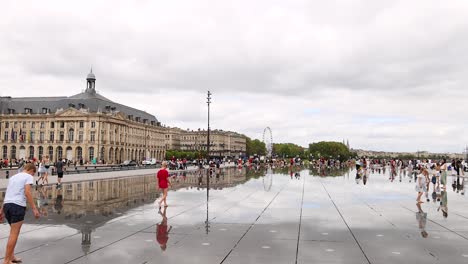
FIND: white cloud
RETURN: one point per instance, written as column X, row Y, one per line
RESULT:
column 386, row 75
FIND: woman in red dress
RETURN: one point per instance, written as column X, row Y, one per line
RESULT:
column 163, row 182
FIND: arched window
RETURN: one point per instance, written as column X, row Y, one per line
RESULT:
column 59, row 152
column 51, row 152
column 41, row 152
column 79, row 153
column 91, row 153
column 5, row 152
column 31, row 152
column 13, row 152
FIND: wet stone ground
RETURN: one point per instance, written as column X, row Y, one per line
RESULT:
column 253, row 217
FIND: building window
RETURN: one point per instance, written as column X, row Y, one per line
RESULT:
column 32, row 136
column 93, row 124
column 5, row 135
column 24, row 125
column 80, row 136
column 52, row 125
column 7, row 124
column 44, row 110
column 59, row 152
column 51, row 153
column 79, row 152
column 71, row 134
column 62, row 124
column 33, row 124
column 31, row 152
column 52, row 136
column 42, row 125
column 13, row 152
column 91, row 153
column 61, row 136
column 41, row 136
column 92, row 136
column 41, row 152
column 5, row 152
column 15, row 124
column 81, row 124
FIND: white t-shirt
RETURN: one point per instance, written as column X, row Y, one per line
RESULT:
column 15, row 190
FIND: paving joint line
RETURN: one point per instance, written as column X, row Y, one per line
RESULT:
column 446, row 228
column 342, row 217
column 139, row 231
column 300, row 219
column 251, row 225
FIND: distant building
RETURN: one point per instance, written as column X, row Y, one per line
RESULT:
column 222, row 143
column 86, row 126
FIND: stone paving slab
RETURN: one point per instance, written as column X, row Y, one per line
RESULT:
column 306, row 220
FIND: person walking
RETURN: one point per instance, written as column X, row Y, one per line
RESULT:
column 163, row 183
column 42, row 170
column 59, row 169
column 13, row 209
column 46, row 161
column 421, row 185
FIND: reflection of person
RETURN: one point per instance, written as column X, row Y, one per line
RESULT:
column 43, row 201
column 163, row 183
column 58, row 202
column 162, row 233
column 14, row 207
column 421, row 216
column 443, row 204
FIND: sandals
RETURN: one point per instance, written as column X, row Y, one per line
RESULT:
column 17, row 260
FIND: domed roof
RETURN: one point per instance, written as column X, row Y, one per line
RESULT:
column 91, row 75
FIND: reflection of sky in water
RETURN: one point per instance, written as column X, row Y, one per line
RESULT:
column 120, row 216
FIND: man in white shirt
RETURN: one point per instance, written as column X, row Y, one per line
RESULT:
column 14, row 207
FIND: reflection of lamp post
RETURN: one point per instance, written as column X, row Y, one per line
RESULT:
column 207, row 224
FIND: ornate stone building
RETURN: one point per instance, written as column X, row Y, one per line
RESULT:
column 223, row 143
column 86, row 126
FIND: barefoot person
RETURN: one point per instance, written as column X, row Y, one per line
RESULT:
column 163, row 182
column 14, row 207
column 421, row 184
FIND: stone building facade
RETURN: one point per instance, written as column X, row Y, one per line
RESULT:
column 223, row 143
column 84, row 127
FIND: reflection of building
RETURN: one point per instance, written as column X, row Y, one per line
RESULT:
column 223, row 143
column 83, row 126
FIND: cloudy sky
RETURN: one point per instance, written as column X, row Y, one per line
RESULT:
column 387, row 75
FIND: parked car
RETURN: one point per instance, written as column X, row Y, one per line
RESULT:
column 129, row 163
column 149, row 162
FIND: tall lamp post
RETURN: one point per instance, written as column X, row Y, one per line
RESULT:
column 207, row 224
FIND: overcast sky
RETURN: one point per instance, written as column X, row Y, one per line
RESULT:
column 387, row 75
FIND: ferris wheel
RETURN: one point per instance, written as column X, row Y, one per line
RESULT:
column 268, row 140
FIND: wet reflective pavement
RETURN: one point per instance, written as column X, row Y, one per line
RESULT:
column 252, row 218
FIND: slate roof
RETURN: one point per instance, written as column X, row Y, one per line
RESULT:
column 89, row 100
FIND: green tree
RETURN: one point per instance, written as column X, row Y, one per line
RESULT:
column 289, row 150
column 255, row 147
column 181, row 154
column 330, row 149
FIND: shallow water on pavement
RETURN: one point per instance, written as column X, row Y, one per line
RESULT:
column 252, row 216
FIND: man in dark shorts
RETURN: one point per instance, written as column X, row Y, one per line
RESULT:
column 59, row 168
column 14, row 207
